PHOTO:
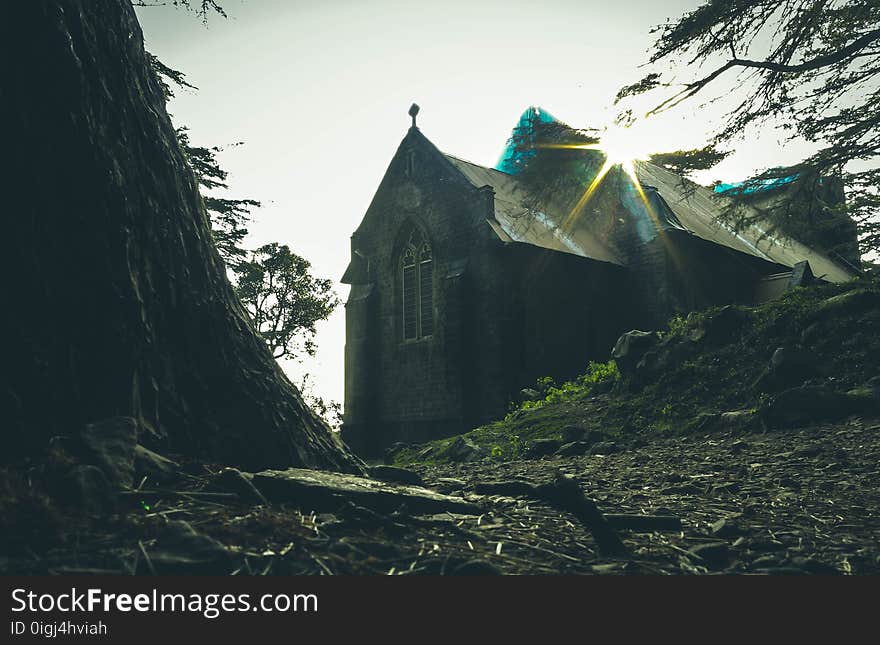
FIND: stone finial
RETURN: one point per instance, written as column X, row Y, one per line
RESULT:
column 413, row 112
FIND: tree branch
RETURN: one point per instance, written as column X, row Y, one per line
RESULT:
column 816, row 63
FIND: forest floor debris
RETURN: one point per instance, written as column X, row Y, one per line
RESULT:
column 801, row 501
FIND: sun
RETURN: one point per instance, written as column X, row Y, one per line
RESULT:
column 623, row 146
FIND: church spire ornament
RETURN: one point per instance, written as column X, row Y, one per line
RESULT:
column 413, row 112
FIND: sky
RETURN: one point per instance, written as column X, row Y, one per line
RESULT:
column 319, row 92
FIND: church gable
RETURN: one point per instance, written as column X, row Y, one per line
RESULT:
column 420, row 184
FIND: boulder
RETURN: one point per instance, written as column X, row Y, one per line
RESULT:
column 529, row 394
column 325, row 491
column 154, row 466
column 667, row 354
column 573, row 433
column 631, row 347
column 392, row 450
column 541, row 448
column 735, row 420
column 789, row 366
column 463, row 449
column 110, row 445
column 574, row 449
column 864, row 399
column 848, row 303
column 811, row 403
column 233, row 480
column 396, row 475
column 605, row 448
column 725, row 528
column 721, row 326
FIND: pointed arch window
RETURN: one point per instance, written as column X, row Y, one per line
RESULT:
column 417, row 287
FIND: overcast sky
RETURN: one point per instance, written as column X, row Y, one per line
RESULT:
column 319, row 93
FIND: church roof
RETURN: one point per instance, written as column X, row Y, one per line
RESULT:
column 521, row 220
column 672, row 203
column 699, row 207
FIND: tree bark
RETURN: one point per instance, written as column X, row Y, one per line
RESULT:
column 115, row 301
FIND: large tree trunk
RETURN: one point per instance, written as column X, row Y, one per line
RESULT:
column 115, row 301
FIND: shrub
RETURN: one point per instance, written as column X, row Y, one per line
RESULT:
column 578, row 389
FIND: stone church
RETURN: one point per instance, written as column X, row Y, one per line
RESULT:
column 467, row 287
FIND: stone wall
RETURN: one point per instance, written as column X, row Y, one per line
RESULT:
column 418, row 389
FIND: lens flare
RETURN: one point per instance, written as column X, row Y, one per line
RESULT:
column 621, row 147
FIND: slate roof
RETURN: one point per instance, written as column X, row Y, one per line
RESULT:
column 676, row 203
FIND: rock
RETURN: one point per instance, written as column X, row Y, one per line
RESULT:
column 788, row 367
column 737, row 420
column 393, row 449
column 724, row 528
column 110, row 446
column 234, row 481
column 604, row 448
column 863, row 400
column 808, row 404
column 715, row 555
column 154, row 466
column 850, row 302
column 324, row 491
column 395, row 474
column 631, row 347
column 734, row 420
column 529, row 394
column 87, row 488
column 354, row 516
column 767, row 562
column 707, row 421
column 541, row 448
column 721, row 326
column 463, row 449
column 574, row 449
column 449, row 484
column 807, row 451
column 668, row 353
column 573, row 433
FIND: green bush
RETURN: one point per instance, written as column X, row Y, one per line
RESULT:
column 576, row 390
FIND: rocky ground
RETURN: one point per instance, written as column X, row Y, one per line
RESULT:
column 741, row 440
column 803, row 501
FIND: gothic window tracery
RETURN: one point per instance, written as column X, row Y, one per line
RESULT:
column 417, row 287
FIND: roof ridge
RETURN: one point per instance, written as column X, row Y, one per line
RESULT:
column 472, row 163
